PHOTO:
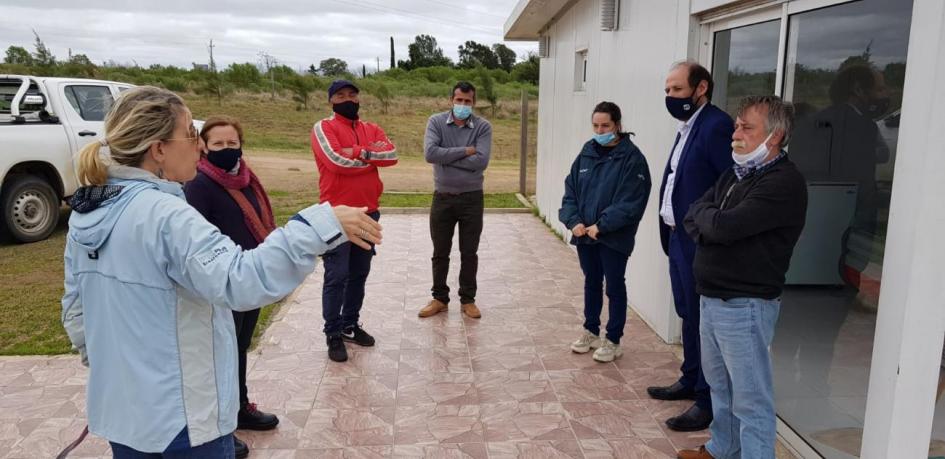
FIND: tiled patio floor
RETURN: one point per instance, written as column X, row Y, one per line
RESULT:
column 448, row 386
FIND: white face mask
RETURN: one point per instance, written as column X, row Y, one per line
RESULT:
column 753, row 159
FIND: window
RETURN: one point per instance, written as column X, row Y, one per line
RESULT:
column 745, row 61
column 91, row 102
column 580, row 70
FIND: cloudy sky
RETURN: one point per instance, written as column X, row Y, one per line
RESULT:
column 296, row 32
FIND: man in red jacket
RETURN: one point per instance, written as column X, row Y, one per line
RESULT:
column 348, row 152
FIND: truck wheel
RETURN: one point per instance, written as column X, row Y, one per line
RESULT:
column 30, row 208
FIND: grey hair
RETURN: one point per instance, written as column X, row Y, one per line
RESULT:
column 780, row 114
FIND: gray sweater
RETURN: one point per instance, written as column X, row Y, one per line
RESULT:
column 444, row 146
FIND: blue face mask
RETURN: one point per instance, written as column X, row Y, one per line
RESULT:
column 605, row 138
column 461, row 111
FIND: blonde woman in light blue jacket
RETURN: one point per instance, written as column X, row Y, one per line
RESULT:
column 149, row 283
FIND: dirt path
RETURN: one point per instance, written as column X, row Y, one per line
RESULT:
column 294, row 172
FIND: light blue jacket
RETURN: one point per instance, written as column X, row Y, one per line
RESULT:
column 149, row 285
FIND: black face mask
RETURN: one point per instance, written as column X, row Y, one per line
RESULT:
column 682, row 108
column 226, row 158
column 347, row 109
column 877, row 107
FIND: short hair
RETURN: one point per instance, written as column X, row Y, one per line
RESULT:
column 463, row 86
column 697, row 73
column 780, row 113
column 218, row 121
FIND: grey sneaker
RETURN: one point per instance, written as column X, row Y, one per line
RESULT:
column 608, row 351
column 585, row 343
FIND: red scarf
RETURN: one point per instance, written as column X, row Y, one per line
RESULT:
column 234, row 184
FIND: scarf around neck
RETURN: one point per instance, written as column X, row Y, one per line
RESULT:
column 259, row 224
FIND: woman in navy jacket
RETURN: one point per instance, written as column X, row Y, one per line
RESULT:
column 604, row 199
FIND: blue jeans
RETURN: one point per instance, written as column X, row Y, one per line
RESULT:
column 346, row 271
column 221, row 448
column 598, row 263
column 735, row 337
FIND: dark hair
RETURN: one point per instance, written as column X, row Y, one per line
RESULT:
column 697, row 74
column 613, row 110
column 853, row 76
column 463, row 86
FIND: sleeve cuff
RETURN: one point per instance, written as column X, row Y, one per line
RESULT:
column 322, row 219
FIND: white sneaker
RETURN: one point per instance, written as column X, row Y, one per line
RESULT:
column 608, row 351
column 585, row 343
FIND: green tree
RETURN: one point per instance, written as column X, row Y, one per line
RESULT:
column 42, row 57
column 486, row 88
column 18, row 55
column 383, row 94
column 301, row 87
column 333, row 67
column 527, row 70
column 424, row 52
column 245, row 75
column 505, row 55
column 472, row 54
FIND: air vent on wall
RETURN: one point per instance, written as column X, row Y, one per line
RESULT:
column 543, row 46
column 609, row 13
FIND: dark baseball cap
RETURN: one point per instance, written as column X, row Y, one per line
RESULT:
column 338, row 85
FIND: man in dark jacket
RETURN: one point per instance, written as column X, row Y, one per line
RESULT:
column 745, row 229
column 701, row 152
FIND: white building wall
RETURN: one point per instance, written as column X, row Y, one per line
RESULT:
column 627, row 67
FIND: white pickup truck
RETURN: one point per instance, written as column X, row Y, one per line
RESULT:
column 44, row 122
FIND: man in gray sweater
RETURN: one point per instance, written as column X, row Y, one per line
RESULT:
column 458, row 144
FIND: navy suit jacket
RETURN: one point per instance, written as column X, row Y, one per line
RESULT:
column 707, row 154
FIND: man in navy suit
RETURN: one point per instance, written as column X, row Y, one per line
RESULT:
column 701, row 152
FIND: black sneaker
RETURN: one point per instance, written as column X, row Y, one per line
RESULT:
column 240, row 448
column 250, row 418
column 357, row 335
column 336, row 349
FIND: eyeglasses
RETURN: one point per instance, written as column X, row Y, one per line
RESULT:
column 194, row 136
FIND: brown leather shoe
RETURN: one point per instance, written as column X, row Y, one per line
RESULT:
column 471, row 310
column 700, row 453
column 433, row 308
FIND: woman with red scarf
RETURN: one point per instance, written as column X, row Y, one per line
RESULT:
column 229, row 195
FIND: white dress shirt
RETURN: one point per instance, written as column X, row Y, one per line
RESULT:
column 666, row 212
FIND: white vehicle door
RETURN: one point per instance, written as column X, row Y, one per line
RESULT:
column 85, row 106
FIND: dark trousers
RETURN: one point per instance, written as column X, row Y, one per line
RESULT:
column 600, row 262
column 346, row 271
column 687, row 307
column 245, row 323
column 447, row 211
column 221, row 448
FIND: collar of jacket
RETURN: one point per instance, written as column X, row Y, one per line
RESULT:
column 469, row 122
column 337, row 117
column 622, row 148
column 118, row 173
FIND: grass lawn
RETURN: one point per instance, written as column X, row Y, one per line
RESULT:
column 31, row 276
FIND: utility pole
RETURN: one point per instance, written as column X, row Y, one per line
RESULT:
column 378, row 64
column 214, row 78
column 393, row 63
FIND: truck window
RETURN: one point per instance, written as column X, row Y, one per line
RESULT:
column 92, row 102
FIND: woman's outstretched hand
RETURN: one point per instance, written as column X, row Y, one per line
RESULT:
column 360, row 228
